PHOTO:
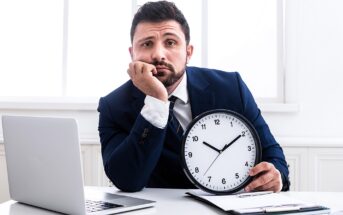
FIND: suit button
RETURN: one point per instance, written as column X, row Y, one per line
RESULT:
column 145, row 133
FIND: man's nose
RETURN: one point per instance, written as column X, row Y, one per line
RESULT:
column 158, row 53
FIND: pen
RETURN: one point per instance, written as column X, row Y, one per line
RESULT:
column 250, row 194
column 271, row 209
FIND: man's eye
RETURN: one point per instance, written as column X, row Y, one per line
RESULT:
column 147, row 44
column 171, row 43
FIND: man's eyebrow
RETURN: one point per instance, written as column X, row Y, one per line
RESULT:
column 171, row 34
column 152, row 37
column 145, row 39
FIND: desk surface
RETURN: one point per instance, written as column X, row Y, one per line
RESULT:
column 174, row 201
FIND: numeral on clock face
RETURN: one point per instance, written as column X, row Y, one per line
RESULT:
column 220, row 149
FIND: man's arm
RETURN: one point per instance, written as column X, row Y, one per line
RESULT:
column 129, row 157
column 273, row 173
column 131, row 154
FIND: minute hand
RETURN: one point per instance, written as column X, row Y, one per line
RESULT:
column 229, row 144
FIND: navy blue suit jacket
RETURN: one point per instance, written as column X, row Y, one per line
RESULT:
column 137, row 154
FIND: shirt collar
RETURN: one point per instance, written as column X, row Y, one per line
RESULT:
column 181, row 90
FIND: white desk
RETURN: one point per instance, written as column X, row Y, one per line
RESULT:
column 173, row 201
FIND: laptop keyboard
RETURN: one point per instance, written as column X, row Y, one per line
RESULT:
column 94, row 206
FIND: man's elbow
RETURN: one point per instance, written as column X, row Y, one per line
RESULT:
column 132, row 187
column 126, row 184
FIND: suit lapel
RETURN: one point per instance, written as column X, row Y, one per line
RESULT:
column 201, row 97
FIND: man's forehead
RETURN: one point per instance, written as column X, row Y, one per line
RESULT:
column 147, row 29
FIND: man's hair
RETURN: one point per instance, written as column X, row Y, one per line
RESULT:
column 158, row 12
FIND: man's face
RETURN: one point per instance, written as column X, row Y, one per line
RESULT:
column 162, row 44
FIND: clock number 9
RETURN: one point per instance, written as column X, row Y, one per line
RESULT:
column 190, row 154
column 217, row 122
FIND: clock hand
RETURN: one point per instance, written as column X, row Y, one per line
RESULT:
column 229, row 144
column 212, row 147
column 221, row 151
column 212, row 163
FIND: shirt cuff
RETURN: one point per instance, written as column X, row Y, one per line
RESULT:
column 155, row 111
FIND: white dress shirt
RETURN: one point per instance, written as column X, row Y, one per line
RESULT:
column 156, row 111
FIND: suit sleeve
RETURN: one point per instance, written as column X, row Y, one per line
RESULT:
column 129, row 156
column 271, row 150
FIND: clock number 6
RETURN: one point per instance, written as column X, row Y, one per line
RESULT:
column 223, row 181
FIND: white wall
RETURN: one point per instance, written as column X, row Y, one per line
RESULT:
column 314, row 70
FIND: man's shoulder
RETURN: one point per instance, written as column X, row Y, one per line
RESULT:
column 122, row 93
column 212, row 75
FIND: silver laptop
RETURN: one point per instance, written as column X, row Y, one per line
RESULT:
column 44, row 168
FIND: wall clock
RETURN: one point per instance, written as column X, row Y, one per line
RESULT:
column 219, row 148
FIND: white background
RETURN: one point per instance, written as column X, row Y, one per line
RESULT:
column 314, row 44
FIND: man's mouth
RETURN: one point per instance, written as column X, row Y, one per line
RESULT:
column 158, row 67
column 162, row 68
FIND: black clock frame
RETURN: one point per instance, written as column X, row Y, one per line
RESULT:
column 255, row 137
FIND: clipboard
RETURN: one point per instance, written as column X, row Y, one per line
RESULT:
column 267, row 203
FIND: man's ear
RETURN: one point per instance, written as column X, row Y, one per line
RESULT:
column 131, row 54
column 189, row 52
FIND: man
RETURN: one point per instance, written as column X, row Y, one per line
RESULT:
column 139, row 148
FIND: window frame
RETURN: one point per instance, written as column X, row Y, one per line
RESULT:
column 278, row 104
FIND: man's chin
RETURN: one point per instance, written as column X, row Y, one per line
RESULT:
column 160, row 74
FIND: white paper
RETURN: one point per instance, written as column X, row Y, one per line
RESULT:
column 234, row 202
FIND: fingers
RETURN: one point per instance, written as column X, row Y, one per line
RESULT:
column 141, row 72
column 142, row 76
column 139, row 68
column 267, row 177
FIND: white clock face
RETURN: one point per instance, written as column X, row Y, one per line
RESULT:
column 219, row 149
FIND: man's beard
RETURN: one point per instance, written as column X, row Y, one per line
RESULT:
column 173, row 77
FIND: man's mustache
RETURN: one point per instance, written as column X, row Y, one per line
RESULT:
column 163, row 63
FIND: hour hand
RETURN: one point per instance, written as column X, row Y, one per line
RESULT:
column 212, row 147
